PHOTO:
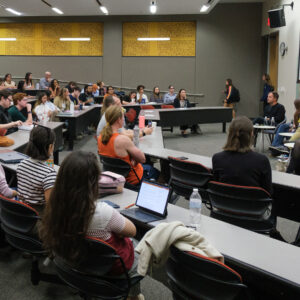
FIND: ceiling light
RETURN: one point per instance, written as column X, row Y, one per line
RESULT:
column 57, row 10
column 153, row 7
column 13, row 11
column 104, row 9
column 154, row 39
column 204, row 8
column 74, row 39
column 8, row 39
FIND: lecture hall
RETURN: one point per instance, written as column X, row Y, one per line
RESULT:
column 149, row 149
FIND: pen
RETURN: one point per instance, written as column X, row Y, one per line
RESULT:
column 130, row 205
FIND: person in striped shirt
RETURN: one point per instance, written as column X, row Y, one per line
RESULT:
column 35, row 177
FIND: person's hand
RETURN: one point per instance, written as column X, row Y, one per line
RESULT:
column 15, row 193
column 225, row 101
column 148, row 130
column 28, row 123
column 49, row 113
column 28, row 105
column 133, row 162
column 16, row 124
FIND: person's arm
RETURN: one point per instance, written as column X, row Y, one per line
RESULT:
column 43, row 84
column 4, row 188
column 266, row 177
column 47, row 194
column 296, row 119
column 135, row 153
column 279, row 114
column 146, row 131
column 146, row 98
column 10, row 125
column 229, row 93
column 29, row 114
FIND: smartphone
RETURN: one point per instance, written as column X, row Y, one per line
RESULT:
column 149, row 123
column 114, row 205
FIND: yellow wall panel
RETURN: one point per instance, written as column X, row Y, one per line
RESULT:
column 182, row 39
column 42, row 39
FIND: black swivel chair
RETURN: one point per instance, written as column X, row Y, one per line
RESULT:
column 193, row 276
column 187, row 175
column 91, row 276
column 18, row 221
column 121, row 167
column 244, row 206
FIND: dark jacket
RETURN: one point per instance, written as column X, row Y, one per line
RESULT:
column 5, row 118
column 267, row 89
column 277, row 111
column 176, row 103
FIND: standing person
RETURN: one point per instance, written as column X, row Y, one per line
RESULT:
column 41, row 109
column 45, row 81
column 170, row 96
column 75, row 194
column 63, row 100
column 156, row 96
column 267, row 89
column 54, row 88
column 5, row 118
column 28, row 84
column 8, row 83
column 141, row 97
column 20, row 102
column 181, row 102
column 232, row 96
column 87, row 97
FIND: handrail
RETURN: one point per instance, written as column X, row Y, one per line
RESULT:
column 114, row 86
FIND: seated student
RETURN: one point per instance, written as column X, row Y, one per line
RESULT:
column 2, row 86
column 113, row 144
column 181, row 102
column 50, row 103
column 286, row 127
column 272, row 110
column 5, row 190
column 238, row 164
column 76, row 195
column 5, row 118
column 130, row 99
column 87, row 97
column 70, row 86
column 156, row 96
column 28, row 83
column 101, row 87
column 141, row 97
column 294, row 165
column 42, row 109
column 8, row 83
column 63, row 101
column 54, row 88
column 95, row 90
column 20, row 102
column 170, row 96
column 109, row 92
column 74, row 96
column 45, row 81
column 35, row 177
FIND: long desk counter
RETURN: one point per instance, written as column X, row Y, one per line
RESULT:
column 286, row 187
column 253, row 254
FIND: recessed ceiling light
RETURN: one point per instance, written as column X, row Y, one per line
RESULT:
column 153, row 7
column 13, row 11
column 154, row 39
column 8, row 39
column 104, row 9
column 204, row 8
column 74, row 39
column 57, row 10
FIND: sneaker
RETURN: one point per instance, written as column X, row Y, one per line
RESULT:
column 275, row 151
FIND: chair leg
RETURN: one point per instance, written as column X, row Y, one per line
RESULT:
column 35, row 271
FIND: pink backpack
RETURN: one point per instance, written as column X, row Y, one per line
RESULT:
column 111, row 183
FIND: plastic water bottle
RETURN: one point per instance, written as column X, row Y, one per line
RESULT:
column 266, row 120
column 136, row 135
column 195, row 208
column 37, row 86
column 72, row 107
column 272, row 121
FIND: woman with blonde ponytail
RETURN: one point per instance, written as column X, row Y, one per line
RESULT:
column 238, row 164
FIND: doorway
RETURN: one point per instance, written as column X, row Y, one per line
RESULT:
column 273, row 59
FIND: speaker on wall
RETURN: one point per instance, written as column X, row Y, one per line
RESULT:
column 277, row 18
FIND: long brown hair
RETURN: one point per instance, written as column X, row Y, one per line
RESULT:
column 112, row 114
column 107, row 102
column 39, row 100
column 240, row 135
column 71, row 206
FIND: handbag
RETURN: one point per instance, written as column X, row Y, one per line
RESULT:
column 4, row 140
column 111, row 183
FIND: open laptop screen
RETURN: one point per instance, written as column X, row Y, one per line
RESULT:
column 153, row 197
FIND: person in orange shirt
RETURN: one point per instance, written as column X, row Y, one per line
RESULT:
column 110, row 92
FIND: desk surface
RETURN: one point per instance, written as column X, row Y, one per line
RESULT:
column 250, row 248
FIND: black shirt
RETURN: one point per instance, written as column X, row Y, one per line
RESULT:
column 248, row 169
column 277, row 111
column 5, row 118
column 84, row 97
column 177, row 103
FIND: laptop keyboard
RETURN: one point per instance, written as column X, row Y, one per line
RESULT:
column 140, row 215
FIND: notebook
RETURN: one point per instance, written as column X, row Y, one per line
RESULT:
column 151, row 202
column 12, row 157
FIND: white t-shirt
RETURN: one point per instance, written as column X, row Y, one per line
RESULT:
column 41, row 112
column 143, row 97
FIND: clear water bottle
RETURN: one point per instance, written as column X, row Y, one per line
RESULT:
column 37, row 86
column 195, row 209
column 272, row 121
column 136, row 135
column 72, row 107
column 266, row 120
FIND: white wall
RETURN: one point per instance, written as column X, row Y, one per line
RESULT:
column 287, row 65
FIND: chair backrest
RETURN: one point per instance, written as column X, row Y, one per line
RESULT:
column 131, row 115
column 238, row 201
column 167, row 106
column 18, row 221
column 91, row 276
column 115, row 165
column 186, row 175
column 147, row 107
column 193, row 276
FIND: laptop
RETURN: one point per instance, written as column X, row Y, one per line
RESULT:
column 12, row 157
column 151, row 202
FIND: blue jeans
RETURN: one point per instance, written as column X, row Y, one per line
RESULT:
column 150, row 172
column 278, row 139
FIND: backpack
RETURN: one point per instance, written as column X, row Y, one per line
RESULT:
column 235, row 94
